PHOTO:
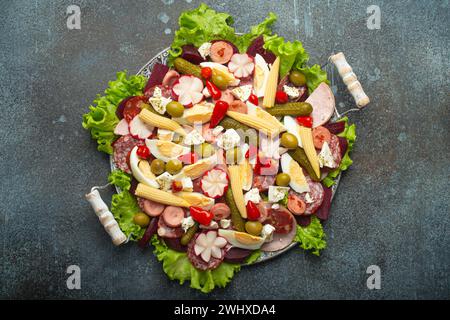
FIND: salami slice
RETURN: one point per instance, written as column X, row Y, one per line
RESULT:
column 335, row 150
column 315, row 198
column 281, row 240
column 152, row 208
column 281, row 219
column 220, row 211
column 122, row 148
column 165, row 231
column 262, row 183
column 198, row 262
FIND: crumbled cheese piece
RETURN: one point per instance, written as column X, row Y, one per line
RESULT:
column 187, row 184
column 212, row 225
column 243, row 92
column 186, row 223
column 166, row 135
column 193, row 138
column 276, row 206
column 159, row 102
column 326, row 157
column 308, row 198
column 205, row 49
column 277, row 193
column 292, row 92
column 229, row 139
column 225, row 223
column 165, row 181
column 267, row 232
column 253, row 196
column 217, row 130
column 206, row 93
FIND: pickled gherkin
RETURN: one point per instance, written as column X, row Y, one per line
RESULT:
column 299, row 155
column 185, row 67
column 236, row 219
column 291, row 109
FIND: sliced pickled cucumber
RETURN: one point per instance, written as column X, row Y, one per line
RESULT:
column 250, row 134
column 299, row 155
column 291, row 109
column 187, row 237
column 185, row 67
column 236, row 219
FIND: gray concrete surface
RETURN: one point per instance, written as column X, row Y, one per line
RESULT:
column 391, row 210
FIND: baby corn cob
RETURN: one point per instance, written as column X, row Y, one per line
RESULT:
column 272, row 82
column 271, row 127
column 161, row 122
column 236, row 188
column 308, row 145
column 160, row 196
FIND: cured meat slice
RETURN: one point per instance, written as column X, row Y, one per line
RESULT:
column 152, row 208
column 335, row 149
column 122, row 148
column 198, row 262
column 220, row 211
column 237, row 255
column 264, row 208
column 165, row 231
column 281, row 240
column 303, row 221
column 281, row 219
column 262, row 183
column 315, row 196
column 324, row 211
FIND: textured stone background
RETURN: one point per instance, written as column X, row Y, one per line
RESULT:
column 392, row 207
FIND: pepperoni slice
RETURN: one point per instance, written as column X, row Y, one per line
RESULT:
column 173, row 216
column 281, row 219
column 152, row 208
column 220, row 211
column 296, row 205
column 316, row 195
column 321, row 135
column 335, row 149
column 122, row 148
column 198, row 262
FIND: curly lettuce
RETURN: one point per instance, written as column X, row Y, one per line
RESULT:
column 178, row 267
column 204, row 24
column 123, row 207
column 311, row 237
column 120, row 179
column 101, row 118
column 349, row 133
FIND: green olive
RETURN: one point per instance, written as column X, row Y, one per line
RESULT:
column 253, row 227
column 283, row 179
column 141, row 219
column 220, row 81
column 297, row 78
column 175, row 109
column 157, row 166
column 207, row 150
column 288, row 140
column 233, row 156
column 174, row 166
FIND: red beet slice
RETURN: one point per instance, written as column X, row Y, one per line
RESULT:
column 133, row 185
column 257, row 47
column 335, row 127
column 156, row 77
column 149, row 232
column 343, row 145
column 237, row 255
column 191, row 54
column 324, row 210
column 175, row 244
column 121, row 107
column 303, row 221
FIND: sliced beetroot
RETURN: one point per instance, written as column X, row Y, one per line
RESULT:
column 343, row 145
column 335, row 127
column 121, row 107
column 324, row 210
column 156, row 77
column 149, row 232
column 256, row 47
column 175, row 244
column 303, row 221
column 237, row 255
column 133, row 185
column 235, row 49
column 191, row 54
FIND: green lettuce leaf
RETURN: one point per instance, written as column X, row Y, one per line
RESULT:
column 123, row 207
column 101, row 118
column 350, row 134
column 314, row 76
column 120, row 179
column 311, row 237
column 253, row 257
column 178, row 267
column 204, row 24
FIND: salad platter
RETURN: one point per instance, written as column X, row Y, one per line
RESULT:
column 226, row 149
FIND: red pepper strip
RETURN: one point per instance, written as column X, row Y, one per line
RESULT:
column 253, row 99
column 177, row 186
column 305, row 121
column 253, row 213
column 213, row 90
column 201, row 216
column 218, row 114
column 259, row 165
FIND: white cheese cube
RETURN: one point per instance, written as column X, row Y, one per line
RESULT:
column 243, row 92
column 292, row 92
column 276, row 206
column 217, row 130
column 308, row 198
column 205, row 49
column 225, row 223
column 212, row 225
column 165, row 181
column 193, row 138
column 187, row 184
column 186, row 223
column 326, row 157
column 267, row 232
column 277, row 193
column 253, row 196
column 206, row 93
column 229, row 139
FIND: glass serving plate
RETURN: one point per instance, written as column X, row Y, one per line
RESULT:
column 162, row 58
